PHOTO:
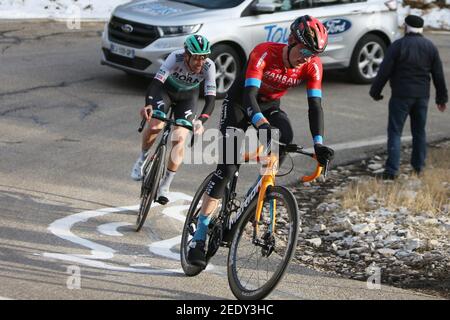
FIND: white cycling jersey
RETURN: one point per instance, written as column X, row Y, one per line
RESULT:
column 177, row 74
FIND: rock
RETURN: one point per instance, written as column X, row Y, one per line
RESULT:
column 316, row 242
column 433, row 243
column 387, row 252
column 344, row 253
column 403, row 254
column 334, row 247
column 319, row 228
column 363, row 228
column 404, row 233
column 413, row 244
column 432, row 222
column 342, row 224
column 391, row 239
column 359, row 250
column 335, row 235
column 375, row 166
column 389, row 227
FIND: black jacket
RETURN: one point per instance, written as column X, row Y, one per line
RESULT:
column 408, row 64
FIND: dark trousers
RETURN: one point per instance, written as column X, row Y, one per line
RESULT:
column 399, row 109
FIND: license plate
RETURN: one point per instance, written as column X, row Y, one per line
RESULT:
column 122, row 51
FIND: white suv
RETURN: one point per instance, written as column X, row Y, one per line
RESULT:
column 141, row 34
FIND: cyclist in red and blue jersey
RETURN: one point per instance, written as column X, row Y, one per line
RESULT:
column 272, row 69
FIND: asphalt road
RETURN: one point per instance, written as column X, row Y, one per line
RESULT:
column 68, row 140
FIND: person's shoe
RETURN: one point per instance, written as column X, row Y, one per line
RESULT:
column 197, row 254
column 162, row 196
column 385, row 176
column 418, row 172
column 136, row 172
column 388, row 176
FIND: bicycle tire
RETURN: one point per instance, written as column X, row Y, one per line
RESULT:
column 150, row 186
column 191, row 220
column 239, row 290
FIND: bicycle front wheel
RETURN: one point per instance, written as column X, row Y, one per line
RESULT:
column 150, row 185
column 257, row 264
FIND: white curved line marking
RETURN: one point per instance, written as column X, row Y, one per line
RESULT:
column 163, row 248
column 110, row 229
column 61, row 228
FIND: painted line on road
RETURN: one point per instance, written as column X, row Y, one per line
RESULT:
column 163, row 248
column 61, row 228
column 110, row 229
column 380, row 140
column 4, row 298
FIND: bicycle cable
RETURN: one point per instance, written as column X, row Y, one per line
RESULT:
column 290, row 170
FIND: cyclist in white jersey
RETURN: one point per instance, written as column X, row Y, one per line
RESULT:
column 178, row 82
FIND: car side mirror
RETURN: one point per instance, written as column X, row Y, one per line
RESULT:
column 261, row 8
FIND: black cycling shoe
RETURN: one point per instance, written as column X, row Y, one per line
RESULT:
column 197, row 254
column 162, row 200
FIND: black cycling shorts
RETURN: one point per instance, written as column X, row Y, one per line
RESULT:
column 234, row 118
column 183, row 105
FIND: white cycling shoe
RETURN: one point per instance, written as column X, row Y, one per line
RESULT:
column 136, row 172
column 162, row 196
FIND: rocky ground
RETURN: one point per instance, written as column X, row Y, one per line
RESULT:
column 410, row 250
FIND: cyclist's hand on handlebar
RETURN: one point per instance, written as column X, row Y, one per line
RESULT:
column 198, row 127
column 146, row 112
column 323, row 153
column 264, row 130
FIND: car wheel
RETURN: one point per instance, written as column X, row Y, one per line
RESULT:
column 366, row 58
column 228, row 67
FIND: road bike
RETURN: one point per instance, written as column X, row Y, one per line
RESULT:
column 153, row 168
column 261, row 231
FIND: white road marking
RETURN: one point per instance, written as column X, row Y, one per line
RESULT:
column 110, row 229
column 61, row 228
column 3, row 298
column 162, row 248
column 360, row 143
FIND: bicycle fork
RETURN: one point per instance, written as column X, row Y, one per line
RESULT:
column 267, row 241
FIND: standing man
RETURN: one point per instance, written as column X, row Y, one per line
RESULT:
column 408, row 64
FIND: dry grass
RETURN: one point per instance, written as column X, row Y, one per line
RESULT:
column 430, row 193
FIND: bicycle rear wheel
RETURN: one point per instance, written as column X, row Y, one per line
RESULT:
column 254, row 270
column 150, row 185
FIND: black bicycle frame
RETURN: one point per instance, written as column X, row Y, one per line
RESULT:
column 231, row 220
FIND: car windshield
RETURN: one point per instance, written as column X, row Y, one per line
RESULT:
column 212, row 4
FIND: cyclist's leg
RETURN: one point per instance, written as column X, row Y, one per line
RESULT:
column 183, row 114
column 279, row 120
column 233, row 121
column 160, row 105
column 233, row 124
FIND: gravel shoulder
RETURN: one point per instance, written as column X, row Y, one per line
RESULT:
column 406, row 249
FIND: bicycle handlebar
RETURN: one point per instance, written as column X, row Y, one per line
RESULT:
column 173, row 122
column 293, row 148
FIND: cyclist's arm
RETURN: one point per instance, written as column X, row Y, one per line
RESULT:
column 253, row 78
column 160, row 77
column 314, row 92
column 210, row 90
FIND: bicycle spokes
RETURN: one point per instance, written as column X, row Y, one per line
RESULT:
column 262, row 249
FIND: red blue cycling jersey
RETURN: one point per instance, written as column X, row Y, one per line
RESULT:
column 266, row 71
